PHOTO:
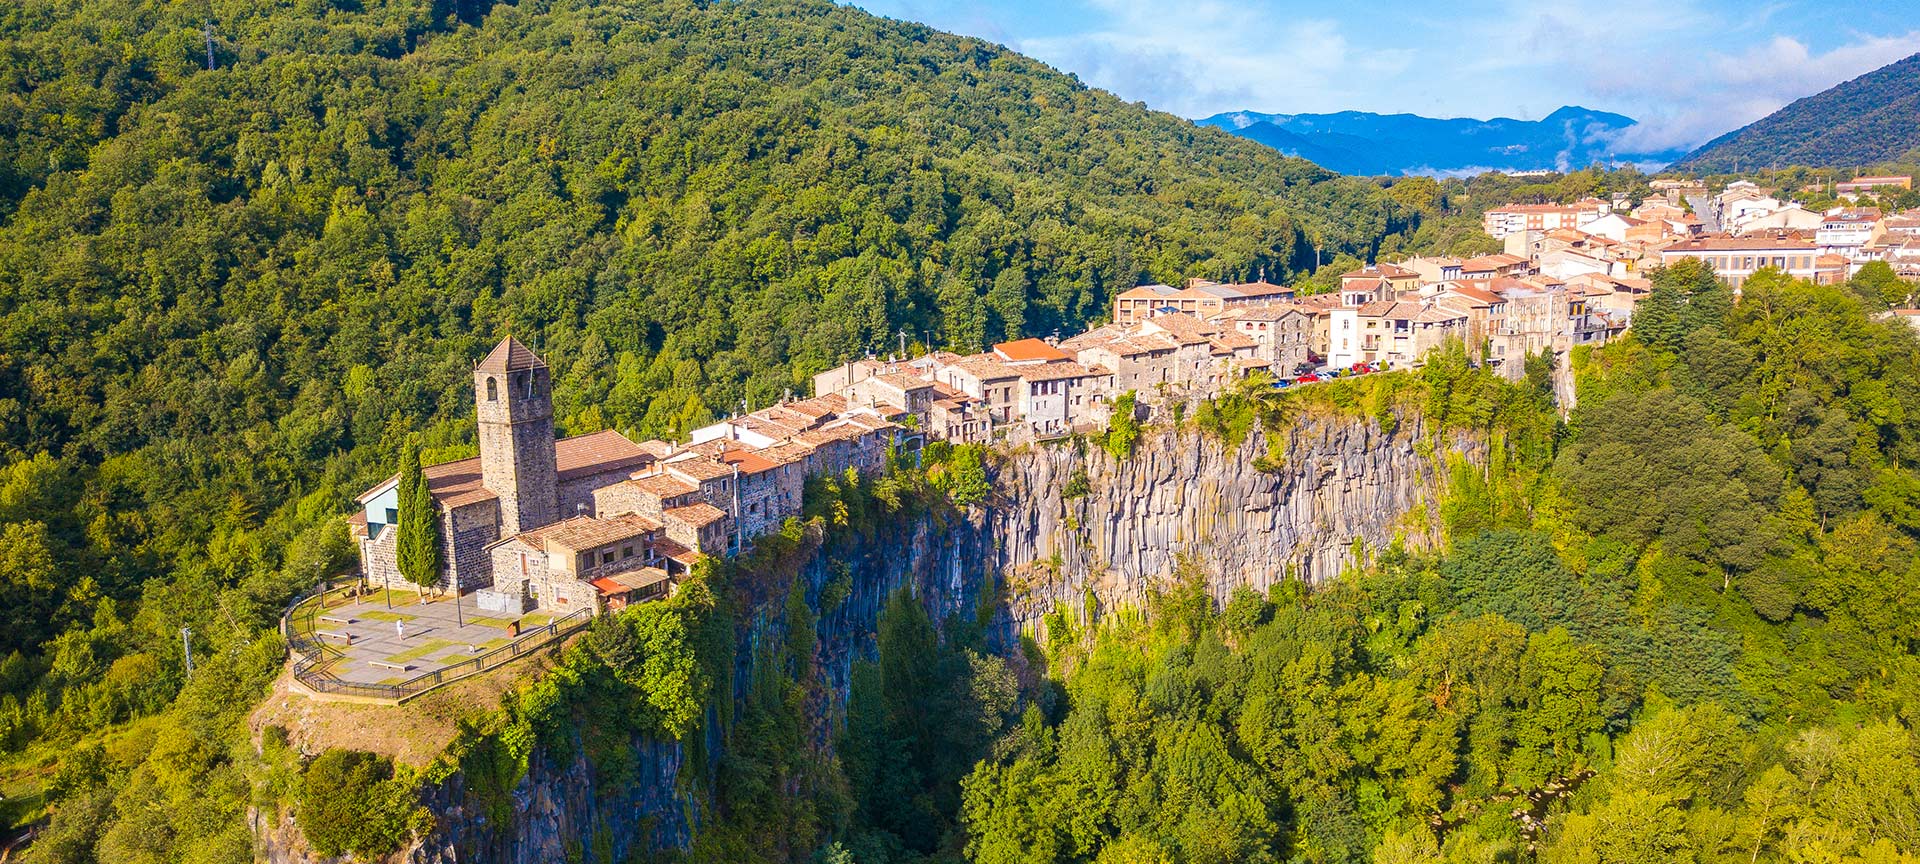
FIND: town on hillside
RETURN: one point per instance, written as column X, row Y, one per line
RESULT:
column 1739, row 231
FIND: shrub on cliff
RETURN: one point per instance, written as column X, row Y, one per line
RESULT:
column 353, row 803
column 1123, row 431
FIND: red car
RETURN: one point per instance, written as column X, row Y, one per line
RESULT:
column 1306, row 379
column 1362, row 368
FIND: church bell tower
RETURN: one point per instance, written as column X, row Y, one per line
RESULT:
column 513, row 398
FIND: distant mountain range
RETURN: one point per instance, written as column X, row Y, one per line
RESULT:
column 1873, row 118
column 1358, row 142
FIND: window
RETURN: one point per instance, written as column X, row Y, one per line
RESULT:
column 606, row 557
column 493, row 389
column 626, row 551
column 393, row 516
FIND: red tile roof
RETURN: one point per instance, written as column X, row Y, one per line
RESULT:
column 1029, row 350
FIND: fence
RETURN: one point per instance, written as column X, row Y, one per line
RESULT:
column 312, row 658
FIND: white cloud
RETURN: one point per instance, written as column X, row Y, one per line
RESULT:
column 1717, row 92
column 1205, row 57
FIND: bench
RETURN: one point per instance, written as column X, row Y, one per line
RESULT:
column 332, row 620
column 329, row 634
column 397, row 667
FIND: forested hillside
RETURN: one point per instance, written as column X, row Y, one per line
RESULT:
column 228, row 294
column 1861, row 122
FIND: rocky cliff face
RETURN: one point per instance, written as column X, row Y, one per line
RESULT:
column 1183, row 496
column 1050, row 537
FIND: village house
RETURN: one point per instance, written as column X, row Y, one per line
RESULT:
column 1282, row 332
column 1200, row 298
column 1390, row 279
column 1400, row 333
column 1435, row 268
column 1495, row 266
column 1846, row 231
column 1852, row 189
column 1735, row 259
column 1516, row 218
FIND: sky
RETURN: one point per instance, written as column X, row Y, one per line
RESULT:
column 1688, row 70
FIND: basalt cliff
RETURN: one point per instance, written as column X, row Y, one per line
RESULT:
column 1064, row 518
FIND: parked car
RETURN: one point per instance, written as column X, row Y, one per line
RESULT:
column 1362, row 368
column 1308, row 378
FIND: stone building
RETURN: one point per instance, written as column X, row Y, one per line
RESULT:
column 523, row 478
column 576, row 563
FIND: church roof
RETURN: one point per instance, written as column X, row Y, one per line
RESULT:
column 458, row 483
column 511, row 356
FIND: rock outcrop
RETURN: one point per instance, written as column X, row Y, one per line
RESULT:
column 1182, row 496
column 1064, row 517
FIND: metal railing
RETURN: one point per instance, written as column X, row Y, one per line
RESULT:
column 313, row 658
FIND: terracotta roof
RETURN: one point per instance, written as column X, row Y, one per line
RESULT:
column 698, row 468
column 587, row 532
column 597, row 453
column 819, row 406
column 663, row 485
column 1028, row 351
column 669, row 549
column 1474, row 294
column 1148, row 291
column 536, row 537
column 750, row 461
column 1255, row 290
column 786, row 452
column 1381, row 270
column 510, row 356
column 1186, row 328
column 1266, row 312
column 631, row 580
column 699, row 514
column 1230, row 340
column 1737, row 244
column 458, row 483
column 1056, row 371
column 984, row 367
column 1097, row 336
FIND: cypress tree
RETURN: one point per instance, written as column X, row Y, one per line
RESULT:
column 417, row 549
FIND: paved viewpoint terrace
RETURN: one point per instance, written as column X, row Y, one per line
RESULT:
column 431, row 634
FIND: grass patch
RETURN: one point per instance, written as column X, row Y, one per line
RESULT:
column 379, row 615
column 420, row 651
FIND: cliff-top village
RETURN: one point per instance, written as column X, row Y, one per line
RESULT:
column 595, row 522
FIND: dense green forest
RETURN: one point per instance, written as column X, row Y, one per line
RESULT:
column 1856, row 123
column 232, row 285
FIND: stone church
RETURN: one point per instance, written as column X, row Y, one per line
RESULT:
column 523, row 480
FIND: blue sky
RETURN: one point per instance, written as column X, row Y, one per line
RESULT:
column 1688, row 69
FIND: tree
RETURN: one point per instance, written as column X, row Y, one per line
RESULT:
column 1656, row 319
column 351, row 803
column 417, row 549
